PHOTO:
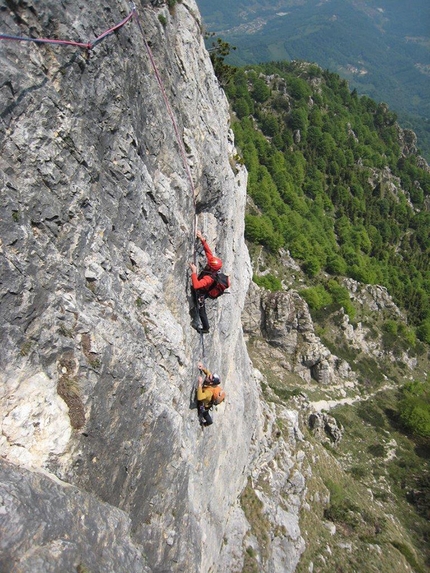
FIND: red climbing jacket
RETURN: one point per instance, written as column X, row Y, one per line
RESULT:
column 204, row 281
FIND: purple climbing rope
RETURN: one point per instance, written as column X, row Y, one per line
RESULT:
column 84, row 45
column 89, row 46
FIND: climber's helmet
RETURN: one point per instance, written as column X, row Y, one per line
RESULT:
column 215, row 263
column 215, row 379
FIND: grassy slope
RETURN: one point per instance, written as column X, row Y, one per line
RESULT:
column 370, row 523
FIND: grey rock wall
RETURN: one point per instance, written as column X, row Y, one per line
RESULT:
column 105, row 467
column 98, row 359
column 49, row 533
column 283, row 320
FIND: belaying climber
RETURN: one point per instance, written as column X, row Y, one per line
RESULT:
column 209, row 283
column 209, row 393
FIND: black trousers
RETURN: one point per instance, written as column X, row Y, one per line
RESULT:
column 204, row 415
column 201, row 307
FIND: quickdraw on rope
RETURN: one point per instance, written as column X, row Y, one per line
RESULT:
column 84, row 45
column 203, row 344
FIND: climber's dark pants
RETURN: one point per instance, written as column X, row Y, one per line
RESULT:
column 201, row 307
column 204, row 416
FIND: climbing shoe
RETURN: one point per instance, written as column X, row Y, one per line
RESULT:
column 200, row 329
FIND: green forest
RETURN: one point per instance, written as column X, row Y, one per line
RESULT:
column 381, row 50
column 331, row 179
column 329, row 182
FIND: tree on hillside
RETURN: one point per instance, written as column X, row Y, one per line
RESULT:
column 219, row 50
column 332, row 196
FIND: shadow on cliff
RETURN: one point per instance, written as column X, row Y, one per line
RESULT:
column 76, row 58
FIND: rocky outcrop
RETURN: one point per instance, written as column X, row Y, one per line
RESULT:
column 283, row 320
column 408, row 141
column 366, row 339
column 374, row 297
column 279, row 324
column 100, row 192
column 325, row 427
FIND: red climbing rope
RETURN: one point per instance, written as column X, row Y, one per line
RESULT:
column 172, row 117
column 84, row 45
column 113, row 29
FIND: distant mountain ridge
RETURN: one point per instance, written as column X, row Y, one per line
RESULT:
column 383, row 50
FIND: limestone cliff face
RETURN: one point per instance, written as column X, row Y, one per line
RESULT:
column 104, row 465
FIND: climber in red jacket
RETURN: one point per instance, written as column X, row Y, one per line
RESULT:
column 203, row 283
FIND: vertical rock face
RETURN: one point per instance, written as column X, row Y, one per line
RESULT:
column 98, row 359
